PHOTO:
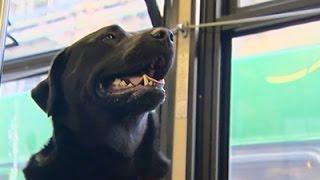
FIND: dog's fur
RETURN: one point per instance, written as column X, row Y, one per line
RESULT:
column 103, row 136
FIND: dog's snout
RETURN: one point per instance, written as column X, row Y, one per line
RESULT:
column 162, row 34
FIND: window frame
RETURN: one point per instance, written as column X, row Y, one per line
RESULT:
column 154, row 13
column 166, row 115
column 212, row 96
column 4, row 12
column 28, row 66
column 214, row 72
column 40, row 63
column 269, row 6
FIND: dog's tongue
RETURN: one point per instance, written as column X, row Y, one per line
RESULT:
column 135, row 80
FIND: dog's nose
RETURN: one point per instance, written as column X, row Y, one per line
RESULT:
column 162, row 34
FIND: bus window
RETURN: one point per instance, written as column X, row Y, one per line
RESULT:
column 45, row 25
column 275, row 119
column 42, row 27
column 25, row 128
column 244, row 3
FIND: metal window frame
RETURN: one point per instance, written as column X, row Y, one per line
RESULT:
column 192, row 93
column 249, row 28
column 4, row 12
column 274, row 6
column 166, row 112
column 212, row 97
column 28, row 66
column 154, row 13
column 168, row 108
column 214, row 72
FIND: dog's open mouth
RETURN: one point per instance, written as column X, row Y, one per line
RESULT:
column 124, row 83
column 150, row 77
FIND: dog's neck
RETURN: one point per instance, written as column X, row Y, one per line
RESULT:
column 122, row 134
column 64, row 150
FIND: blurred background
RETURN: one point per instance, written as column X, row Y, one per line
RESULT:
column 242, row 99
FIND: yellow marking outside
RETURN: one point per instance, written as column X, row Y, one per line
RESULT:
column 315, row 66
column 295, row 75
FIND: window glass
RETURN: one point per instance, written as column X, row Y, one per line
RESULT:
column 275, row 119
column 45, row 25
column 41, row 26
column 24, row 127
column 20, row 86
column 243, row 3
column 160, row 4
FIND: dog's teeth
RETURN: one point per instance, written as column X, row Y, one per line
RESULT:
column 145, row 80
column 116, row 82
column 123, row 83
column 130, row 85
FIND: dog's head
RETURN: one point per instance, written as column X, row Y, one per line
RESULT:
column 107, row 77
column 111, row 69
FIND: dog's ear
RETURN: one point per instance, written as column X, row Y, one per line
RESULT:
column 47, row 94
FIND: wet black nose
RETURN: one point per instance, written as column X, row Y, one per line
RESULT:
column 162, row 34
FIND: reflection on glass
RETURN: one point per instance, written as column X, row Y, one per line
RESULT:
column 243, row 3
column 20, row 86
column 24, row 128
column 275, row 119
column 45, row 25
column 41, row 26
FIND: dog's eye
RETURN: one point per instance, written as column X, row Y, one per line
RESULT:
column 108, row 37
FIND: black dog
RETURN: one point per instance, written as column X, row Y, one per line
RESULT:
column 100, row 92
